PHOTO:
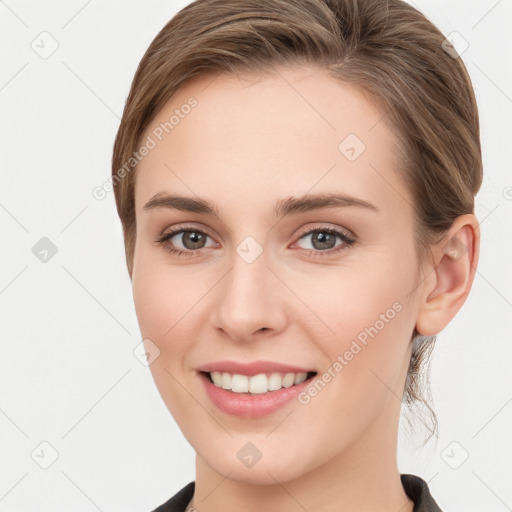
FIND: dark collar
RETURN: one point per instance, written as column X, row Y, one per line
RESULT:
column 414, row 486
column 417, row 489
column 179, row 501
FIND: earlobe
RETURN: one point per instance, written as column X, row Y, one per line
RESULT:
column 456, row 259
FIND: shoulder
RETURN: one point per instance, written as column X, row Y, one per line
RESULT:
column 179, row 501
column 417, row 489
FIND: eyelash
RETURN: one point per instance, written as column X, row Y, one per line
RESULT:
column 347, row 241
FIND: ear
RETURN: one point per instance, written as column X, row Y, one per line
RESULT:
column 455, row 259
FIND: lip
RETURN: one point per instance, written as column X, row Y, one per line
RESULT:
column 252, row 368
column 246, row 405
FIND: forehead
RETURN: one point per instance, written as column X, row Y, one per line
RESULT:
column 292, row 129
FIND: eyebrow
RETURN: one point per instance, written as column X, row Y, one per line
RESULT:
column 284, row 207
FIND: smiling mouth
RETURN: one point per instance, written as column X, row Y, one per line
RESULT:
column 256, row 384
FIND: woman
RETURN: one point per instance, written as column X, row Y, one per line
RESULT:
column 296, row 185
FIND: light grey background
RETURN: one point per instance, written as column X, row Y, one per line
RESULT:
column 68, row 374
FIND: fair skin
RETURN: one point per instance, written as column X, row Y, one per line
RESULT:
column 247, row 145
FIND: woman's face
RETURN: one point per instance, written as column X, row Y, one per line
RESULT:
column 276, row 278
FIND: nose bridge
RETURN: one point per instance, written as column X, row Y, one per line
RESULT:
column 248, row 300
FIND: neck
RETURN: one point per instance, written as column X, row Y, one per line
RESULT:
column 362, row 478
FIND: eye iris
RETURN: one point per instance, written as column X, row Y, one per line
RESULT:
column 325, row 239
column 197, row 239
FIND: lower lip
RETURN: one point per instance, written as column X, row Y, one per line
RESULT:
column 251, row 406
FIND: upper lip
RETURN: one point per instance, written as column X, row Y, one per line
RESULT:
column 251, row 368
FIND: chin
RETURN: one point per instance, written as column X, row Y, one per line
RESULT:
column 262, row 473
column 269, row 464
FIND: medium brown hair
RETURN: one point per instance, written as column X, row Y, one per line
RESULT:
column 387, row 48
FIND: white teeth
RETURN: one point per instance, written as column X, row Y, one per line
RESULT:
column 256, row 384
column 300, row 377
column 217, row 378
column 240, row 383
column 288, row 380
column 275, row 382
column 226, row 381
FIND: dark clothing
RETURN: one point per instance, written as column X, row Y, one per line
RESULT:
column 414, row 486
column 417, row 489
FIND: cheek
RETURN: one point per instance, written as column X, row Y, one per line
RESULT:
column 369, row 321
column 165, row 297
column 164, row 303
column 161, row 306
column 349, row 301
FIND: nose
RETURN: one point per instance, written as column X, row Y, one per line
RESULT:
column 249, row 301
